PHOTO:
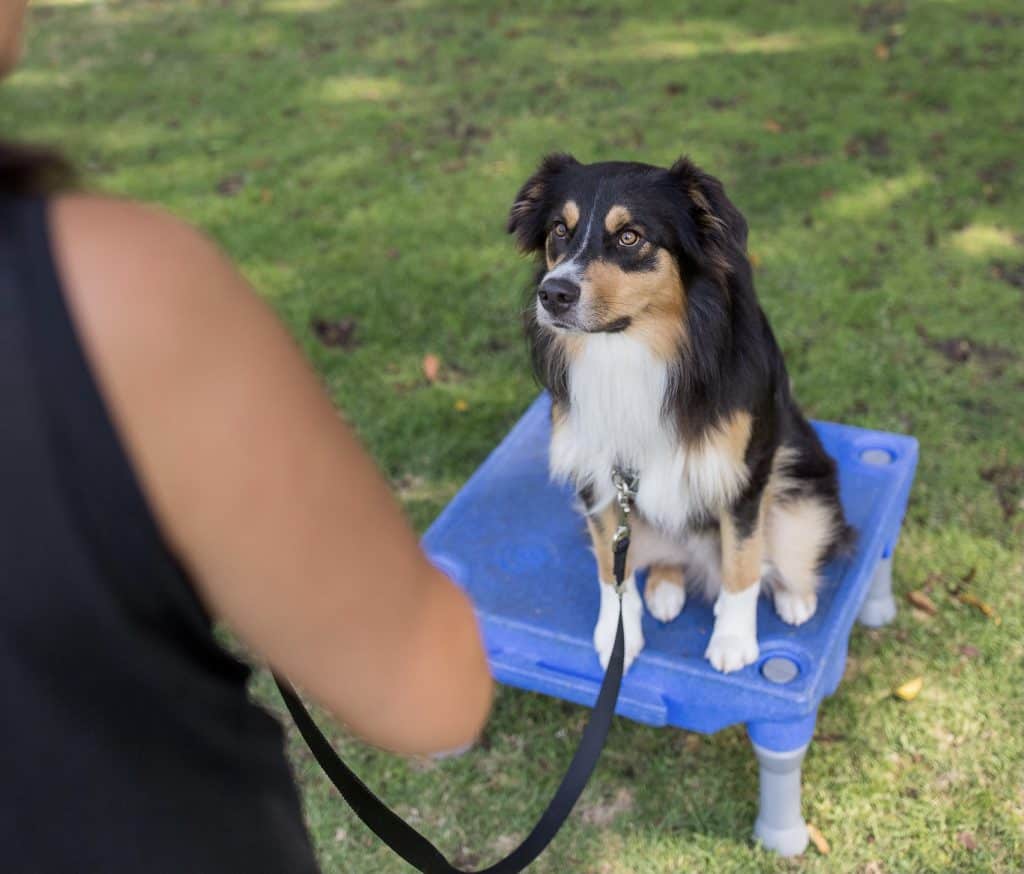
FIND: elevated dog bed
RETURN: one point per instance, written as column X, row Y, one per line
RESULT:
column 513, row 540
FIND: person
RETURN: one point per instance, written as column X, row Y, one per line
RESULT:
column 169, row 461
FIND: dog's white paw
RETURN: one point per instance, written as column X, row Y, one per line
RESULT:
column 729, row 652
column 665, row 600
column 608, row 623
column 795, row 609
column 733, row 643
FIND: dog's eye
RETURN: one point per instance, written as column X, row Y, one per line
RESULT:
column 560, row 230
column 629, row 238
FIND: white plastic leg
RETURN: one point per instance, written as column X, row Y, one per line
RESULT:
column 879, row 606
column 780, row 825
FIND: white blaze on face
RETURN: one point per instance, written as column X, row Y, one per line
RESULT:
column 569, row 269
column 572, row 269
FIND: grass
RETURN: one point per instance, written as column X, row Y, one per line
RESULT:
column 357, row 159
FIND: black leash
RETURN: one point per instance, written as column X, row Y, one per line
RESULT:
column 409, row 843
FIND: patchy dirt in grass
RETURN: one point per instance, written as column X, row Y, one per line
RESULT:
column 1011, row 274
column 960, row 350
column 336, row 333
column 882, row 14
column 606, row 811
column 874, row 145
column 229, row 186
column 1008, row 481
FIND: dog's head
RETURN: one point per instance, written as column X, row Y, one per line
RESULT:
column 628, row 247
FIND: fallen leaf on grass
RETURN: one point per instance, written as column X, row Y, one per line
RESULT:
column 967, row 841
column 772, row 126
column 972, row 600
column 882, row 52
column 461, row 406
column 922, row 602
column 431, row 367
column 910, row 689
column 339, row 334
column 818, row 839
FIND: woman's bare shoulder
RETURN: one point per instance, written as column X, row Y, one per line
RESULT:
column 125, row 246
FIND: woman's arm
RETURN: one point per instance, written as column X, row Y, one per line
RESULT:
column 286, row 526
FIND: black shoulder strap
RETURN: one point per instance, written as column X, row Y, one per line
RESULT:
column 416, row 849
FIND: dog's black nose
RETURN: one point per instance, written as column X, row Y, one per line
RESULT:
column 558, row 296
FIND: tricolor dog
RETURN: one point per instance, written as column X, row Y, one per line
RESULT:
column 645, row 327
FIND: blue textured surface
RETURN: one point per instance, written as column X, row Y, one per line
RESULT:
column 512, row 539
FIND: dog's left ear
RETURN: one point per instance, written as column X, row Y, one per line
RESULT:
column 721, row 228
column 527, row 217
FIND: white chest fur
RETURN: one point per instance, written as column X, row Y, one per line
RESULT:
column 617, row 390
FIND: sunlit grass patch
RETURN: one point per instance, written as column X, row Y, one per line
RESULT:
column 986, row 239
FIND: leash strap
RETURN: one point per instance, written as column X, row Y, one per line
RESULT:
column 409, row 843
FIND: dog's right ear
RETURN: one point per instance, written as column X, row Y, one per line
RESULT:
column 527, row 217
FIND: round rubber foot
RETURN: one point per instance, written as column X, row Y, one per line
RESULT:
column 790, row 841
column 877, row 612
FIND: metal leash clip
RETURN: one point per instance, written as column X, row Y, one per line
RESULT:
column 625, row 483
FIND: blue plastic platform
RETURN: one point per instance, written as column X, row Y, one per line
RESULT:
column 512, row 539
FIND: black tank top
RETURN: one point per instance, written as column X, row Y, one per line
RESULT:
column 127, row 740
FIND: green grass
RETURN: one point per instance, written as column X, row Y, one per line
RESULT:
column 357, row 159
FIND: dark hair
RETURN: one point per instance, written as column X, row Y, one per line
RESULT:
column 33, row 170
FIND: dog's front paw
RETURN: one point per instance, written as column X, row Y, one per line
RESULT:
column 608, row 623
column 733, row 643
column 729, row 652
column 795, row 609
column 665, row 599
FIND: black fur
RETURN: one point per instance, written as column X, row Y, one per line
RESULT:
column 729, row 360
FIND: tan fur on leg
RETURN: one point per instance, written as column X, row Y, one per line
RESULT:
column 742, row 556
column 602, row 528
column 798, row 532
column 733, row 643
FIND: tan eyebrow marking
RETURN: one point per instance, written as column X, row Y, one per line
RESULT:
column 571, row 214
column 617, row 216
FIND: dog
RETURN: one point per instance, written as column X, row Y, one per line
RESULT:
column 644, row 326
